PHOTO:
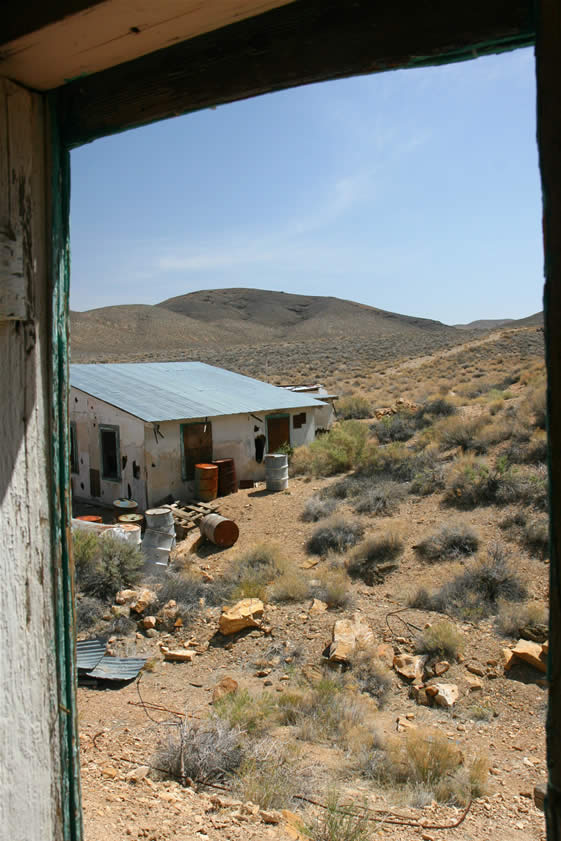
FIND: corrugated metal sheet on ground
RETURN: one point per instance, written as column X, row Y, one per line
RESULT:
column 160, row 391
column 89, row 653
column 117, row 668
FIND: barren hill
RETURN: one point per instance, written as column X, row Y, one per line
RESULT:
column 535, row 320
column 222, row 319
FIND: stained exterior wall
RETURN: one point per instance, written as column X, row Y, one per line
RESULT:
column 31, row 784
column 88, row 413
column 233, row 436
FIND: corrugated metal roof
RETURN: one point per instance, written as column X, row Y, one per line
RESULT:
column 89, row 653
column 161, row 391
column 117, row 668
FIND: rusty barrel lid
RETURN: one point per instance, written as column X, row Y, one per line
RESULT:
column 90, row 518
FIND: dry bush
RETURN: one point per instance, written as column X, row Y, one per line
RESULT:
column 425, row 759
column 529, row 619
column 398, row 427
column 428, row 481
column 317, row 509
column 471, row 482
column 449, row 543
column 460, row 431
column 394, row 461
column 109, row 566
column 376, row 557
column 248, row 713
column 481, row 712
column 267, row 775
column 536, row 536
column 354, row 407
column 202, row 751
column 256, row 568
column 89, row 612
column 528, row 485
column 331, row 585
column 381, row 499
column 291, row 586
column 432, row 409
column 85, row 549
column 476, row 592
column 442, row 639
column 337, row 536
column 371, row 675
column 338, row 450
column 532, row 451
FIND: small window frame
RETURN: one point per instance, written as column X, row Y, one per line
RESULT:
column 108, row 427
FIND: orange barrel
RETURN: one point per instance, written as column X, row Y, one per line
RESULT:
column 219, row 530
column 90, row 518
column 227, row 481
column 132, row 519
column 206, row 481
column 123, row 506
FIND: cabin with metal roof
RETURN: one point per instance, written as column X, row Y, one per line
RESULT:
column 139, row 429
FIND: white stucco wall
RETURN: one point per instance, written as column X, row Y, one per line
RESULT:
column 88, row 413
column 233, row 436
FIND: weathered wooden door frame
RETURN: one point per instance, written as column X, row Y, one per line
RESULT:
column 549, row 143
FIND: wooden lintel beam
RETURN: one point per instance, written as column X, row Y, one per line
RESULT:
column 302, row 42
column 26, row 16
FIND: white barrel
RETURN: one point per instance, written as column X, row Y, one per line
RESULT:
column 128, row 532
column 160, row 519
column 276, row 471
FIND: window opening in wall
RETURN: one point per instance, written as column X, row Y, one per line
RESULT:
column 109, row 452
column 260, row 441
column 74, row 465
column 196, row 443
column 298, row 421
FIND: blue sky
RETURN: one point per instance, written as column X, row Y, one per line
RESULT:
column 415, row 191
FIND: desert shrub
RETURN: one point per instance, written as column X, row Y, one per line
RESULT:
column 354, row 407
column 527, row 485
column 398, row 427
column 316, row 509
column 115, row 566
column 533, row 451
column 442, row 639
column 461, row 431
column 536, row 536
column 246, row 712
column 437, row 408
column 426, row 758
column 89, row 612
column 376, row 557
column 481, row 712
column 536, row 400
column 449, row 543
column 266, row 776
column 256, row 568
column 85, row 549
column 184, row 588
column 337, row 535
column 476, row 592
column 428, row 481
column 339, row 823
column 471, row 482
column 338, row 450
column 371, row 675
column 394, row 461
column 381, row 499
column 202, row 751
column 529, row 619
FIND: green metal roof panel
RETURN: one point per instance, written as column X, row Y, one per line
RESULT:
column 161, row 391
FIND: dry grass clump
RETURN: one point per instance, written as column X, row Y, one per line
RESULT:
column 256, row 568
column 429, row 480
column 339, row 823
column 354, row 407
column 536, row 535
column 476, row 592
column 449, row 543
column 338, row 450
column 432, row 409
column 442, row 639
column 331, row 585
column 394, row 461
column 250, row 714
column 532, row 450
column 460, row 431
column 199, row 750
column 291, row 586
column 337, row 536
column 371, row 675
column 267, row 775
column 376, row 557
column 471, row 482
column 426, row 759
column 317, row 509
column 528, row 620
column 105, row 564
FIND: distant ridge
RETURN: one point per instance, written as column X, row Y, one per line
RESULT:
column 535, row 320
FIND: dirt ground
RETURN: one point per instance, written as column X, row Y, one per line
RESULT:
column 119, row 735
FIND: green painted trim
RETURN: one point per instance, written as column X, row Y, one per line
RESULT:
column 63, row 564
column 500, row 45
column 112, row 428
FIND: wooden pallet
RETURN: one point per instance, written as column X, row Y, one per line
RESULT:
column 189, row 514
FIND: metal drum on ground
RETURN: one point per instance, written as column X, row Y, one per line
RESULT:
column 160, row 519
column 132, row 519
column 276, row 471
column 124, row 506
column 219, row 530
column 227, row 480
